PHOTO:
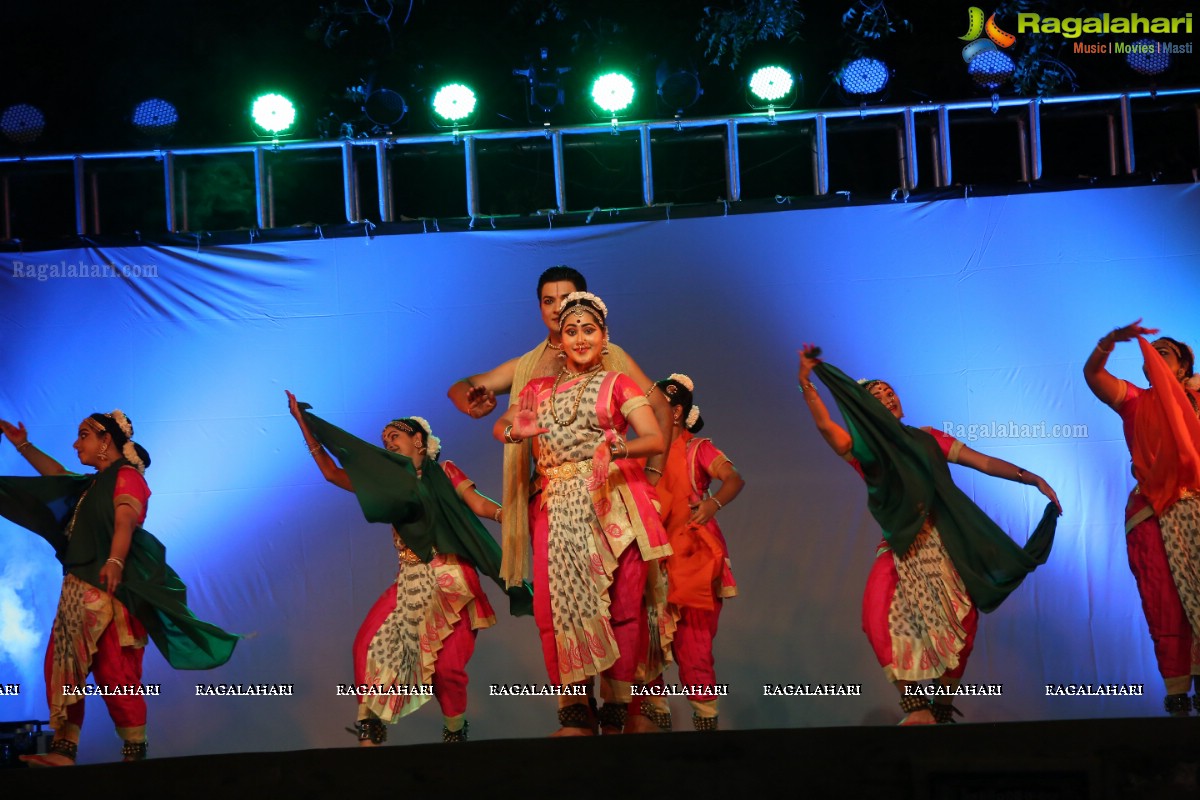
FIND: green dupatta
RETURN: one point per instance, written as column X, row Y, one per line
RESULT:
column 427, row 512
column 150, row 589
column 908, row 480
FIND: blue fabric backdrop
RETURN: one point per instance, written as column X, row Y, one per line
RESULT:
column 979, row 311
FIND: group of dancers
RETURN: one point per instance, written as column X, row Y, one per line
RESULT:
column 609, row 538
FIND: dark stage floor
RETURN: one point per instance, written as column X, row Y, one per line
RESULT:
column 1156, row 759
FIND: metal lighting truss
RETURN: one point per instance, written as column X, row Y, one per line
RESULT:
column 1027, row 114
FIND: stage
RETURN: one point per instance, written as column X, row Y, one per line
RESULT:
column 1064, row 760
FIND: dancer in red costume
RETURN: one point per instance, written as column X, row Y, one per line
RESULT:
column 1162, row 516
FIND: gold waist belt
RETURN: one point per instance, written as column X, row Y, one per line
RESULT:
column 569, row 470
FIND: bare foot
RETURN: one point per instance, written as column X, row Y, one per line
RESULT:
column 48, row 760
column 568, row 731
column 640, row 723
column 922, row 717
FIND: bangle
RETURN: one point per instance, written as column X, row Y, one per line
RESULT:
column 612, row 448
column 655, row 470
column 312, row 450
column 1101, row 342
column 1020, row 475
column 23, row 445
column 508, row 437
column 117, row 561
column 713, row 497
column 496, row 516
column 804, row 385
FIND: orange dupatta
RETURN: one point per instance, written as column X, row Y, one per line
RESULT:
column 1166, row 449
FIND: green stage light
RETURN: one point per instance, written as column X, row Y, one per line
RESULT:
column 454, row 103
column 771, row 84
column 274, row 113
column 612, row 92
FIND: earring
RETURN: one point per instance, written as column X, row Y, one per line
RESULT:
column 604, row 350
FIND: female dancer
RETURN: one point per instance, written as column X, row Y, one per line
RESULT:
column 421, row 631
column 117, row 590
column 698, row 572
column 599, row 527
column 941, row 560
column 1162, row 517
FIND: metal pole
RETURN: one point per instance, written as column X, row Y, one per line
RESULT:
column 94, row 192
column 820, row 156
column 1127, row 134
column 733, row 167
column 647, row 167
column 560, row 174
column 260, row 186
column 80, row 216
column 183, row 200
column 1035, row 139
column 908, row 166
column 1022, row 150
column 472, row 177
column 383, row 178
column 349, row 188
column 169, row 187
column 7, row 208
column 943, row 116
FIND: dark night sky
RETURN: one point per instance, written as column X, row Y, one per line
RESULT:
column 87, row 65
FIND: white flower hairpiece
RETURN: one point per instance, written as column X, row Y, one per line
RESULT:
column 122, row 422
column 863, row 381
column 433, row 445
column 693, row 416
column 682, row 380
column 591, row 298
column 1193, row 383
column 128, row 450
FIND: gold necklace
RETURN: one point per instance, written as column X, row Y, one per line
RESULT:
column 591, row 373
column 552, row 345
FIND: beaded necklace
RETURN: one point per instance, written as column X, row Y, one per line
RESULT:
column 591, row 373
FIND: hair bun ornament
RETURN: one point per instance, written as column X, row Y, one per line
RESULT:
column 692, row 416
column 682, row 380
column 433, row 445
column 863, row 381
column 122, row 422
column 1193, row 383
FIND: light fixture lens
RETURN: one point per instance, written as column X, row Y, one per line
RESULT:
column 454, row 102
column 990, row 69
column 771, row 83
column 864, row 76
column 274, row 113
column 22, row 123
column 1146, row 57
column 155, row 117
column 612, row 92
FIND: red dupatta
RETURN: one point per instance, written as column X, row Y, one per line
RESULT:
column 1166, row 449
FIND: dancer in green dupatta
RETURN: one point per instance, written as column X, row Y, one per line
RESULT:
column 942, row 560
column 419, row 635
column 118, row 589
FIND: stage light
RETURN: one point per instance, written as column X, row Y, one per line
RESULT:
column 22, row 123
column 453, row 105
column 771, row 88
column 545, row 83
column 990, row 69
column 155, row 118
column 1147, row 57
column 384, row 107
column 613, row 93
column 863, row 78
column 274, row 114
column 678, row 87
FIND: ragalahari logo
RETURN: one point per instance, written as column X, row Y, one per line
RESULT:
column 982, row 36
